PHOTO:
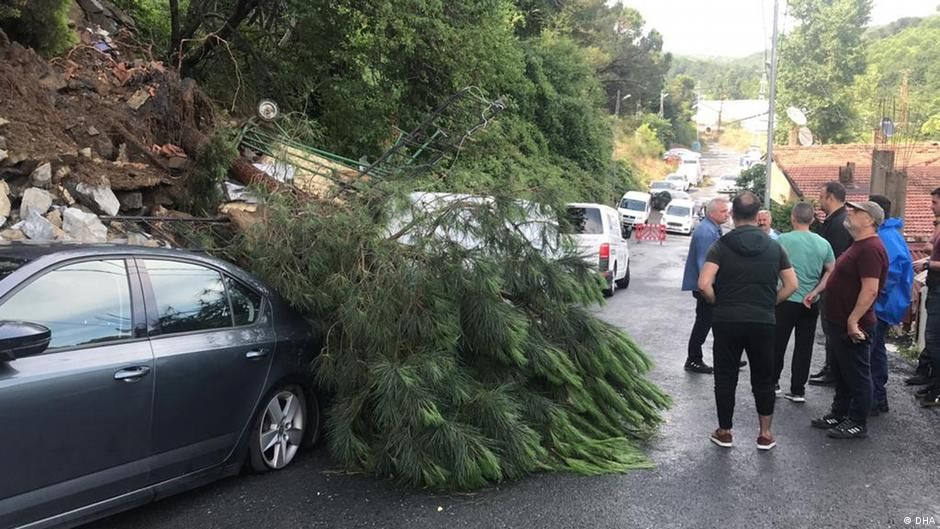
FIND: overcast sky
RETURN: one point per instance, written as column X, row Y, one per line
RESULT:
column 735, row 28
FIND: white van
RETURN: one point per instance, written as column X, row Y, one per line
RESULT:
column 597, row 232
column 679, row 217
column 635, row 208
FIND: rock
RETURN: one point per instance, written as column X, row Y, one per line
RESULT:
column 3, row 155
column 131, row 200
column 3, row 142
column 122, row 153
column 92, row 131
column 42, row 176
column 54, row 82
column 55, row 217
column 62, row 172
column 138, row 99
column 100, row 198
column 37, row 200
column 4, row 121
column 178, row 164
column 12, row 235
column 60, row 235
column 66, row 196
column 86, row 152
column 105, row 148
column 37, row 228
column 84, row 227
column 5, row 205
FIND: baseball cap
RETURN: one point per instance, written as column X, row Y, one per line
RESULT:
column 872, row 208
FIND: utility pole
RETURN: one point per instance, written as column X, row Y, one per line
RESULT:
column 773, row 108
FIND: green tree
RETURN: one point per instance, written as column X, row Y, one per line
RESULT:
column 819, row 60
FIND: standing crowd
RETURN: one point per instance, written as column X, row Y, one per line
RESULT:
column 754, row 288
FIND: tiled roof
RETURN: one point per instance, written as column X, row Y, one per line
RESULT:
column 808, row 168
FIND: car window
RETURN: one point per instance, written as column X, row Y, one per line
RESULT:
column 81, row 303
column 586, row 220
column 189, row 297
column 246, row 303
column 633, row 204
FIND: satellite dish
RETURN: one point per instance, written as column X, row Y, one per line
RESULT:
column 267, row 109
column 806, row 137
column 797, row 116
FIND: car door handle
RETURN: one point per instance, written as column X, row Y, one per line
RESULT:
column 256, row 354
column 132, row 374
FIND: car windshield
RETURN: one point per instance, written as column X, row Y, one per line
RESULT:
column 8, row 265
column 586, row 220
column 678, row 211
column 660, row 185
column 633, row 204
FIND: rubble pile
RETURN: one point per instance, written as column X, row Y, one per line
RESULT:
column 103, row 130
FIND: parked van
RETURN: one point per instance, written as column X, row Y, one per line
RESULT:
column 635, row 209
column 691, row 168
column 597, row 232
column 679, row 217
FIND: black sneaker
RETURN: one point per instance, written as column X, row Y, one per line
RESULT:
column 848, row 429
column 795, row 397
column 923, row 392
column 828, row 421
column 742, row 363
column 920, row 379
column 699, row 367
column 932, row 400
column 824, row 381
column 877, row 408
column 823, row 373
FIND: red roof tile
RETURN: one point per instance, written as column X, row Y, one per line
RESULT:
column 808, row 168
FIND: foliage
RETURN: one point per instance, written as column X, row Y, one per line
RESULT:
column 456, row 364
column 723, row 78
column 819, row 60
column 754, row 179
column 40, row 24
column 780, row 215
column 210, row 167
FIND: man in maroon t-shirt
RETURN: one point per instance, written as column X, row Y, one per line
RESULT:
column 853, row 287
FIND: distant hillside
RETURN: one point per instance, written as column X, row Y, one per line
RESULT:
column 722, row 78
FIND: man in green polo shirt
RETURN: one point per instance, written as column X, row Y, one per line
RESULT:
column 812, row 258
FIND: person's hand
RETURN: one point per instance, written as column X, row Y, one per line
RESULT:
column 809, row 299
column 855, row 333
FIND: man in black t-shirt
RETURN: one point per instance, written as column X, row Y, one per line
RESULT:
column 741, row 277
column 832, row 201
column 853, row 286
column 930, row 396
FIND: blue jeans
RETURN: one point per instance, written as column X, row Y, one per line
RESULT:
column 879, row 362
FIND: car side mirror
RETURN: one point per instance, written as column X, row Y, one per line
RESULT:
column 19, row 339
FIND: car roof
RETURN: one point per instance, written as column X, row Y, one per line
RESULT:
column 587, row 205
column 636, row 194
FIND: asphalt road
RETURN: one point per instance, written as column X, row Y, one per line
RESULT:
column 807, row 481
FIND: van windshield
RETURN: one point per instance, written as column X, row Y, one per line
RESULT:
column 586, row 221
column 633, row 204
column 678, row 211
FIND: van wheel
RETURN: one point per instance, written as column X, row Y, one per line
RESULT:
column 625, row 282
column 611, row 285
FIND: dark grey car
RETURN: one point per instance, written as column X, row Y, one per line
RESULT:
column 129, row 374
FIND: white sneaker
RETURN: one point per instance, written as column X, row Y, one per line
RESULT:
column 799, row 399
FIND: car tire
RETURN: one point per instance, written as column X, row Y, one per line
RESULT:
column 281, row 428
column 622, row 284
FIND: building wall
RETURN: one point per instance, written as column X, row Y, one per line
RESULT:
column 780, row 189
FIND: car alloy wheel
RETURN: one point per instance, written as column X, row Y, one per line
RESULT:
column 280, row 430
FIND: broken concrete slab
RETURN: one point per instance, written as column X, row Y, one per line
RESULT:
column 37, row 228
column 42, row 176
column 55, row 217
column 84, row 227
column 100, row 198
column 35, row 199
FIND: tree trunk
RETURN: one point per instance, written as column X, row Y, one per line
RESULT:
column 174, row 28
column 242, row 10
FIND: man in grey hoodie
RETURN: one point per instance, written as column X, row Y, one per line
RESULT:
column 741, row 277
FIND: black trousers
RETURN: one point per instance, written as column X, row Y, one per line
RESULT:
column 703, row 324
column 792, row 316
column 851, row 368
column 826, row 330
column 757, row 340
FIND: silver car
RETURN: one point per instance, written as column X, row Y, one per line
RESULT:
column 130, row 374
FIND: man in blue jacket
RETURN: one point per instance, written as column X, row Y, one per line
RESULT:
column 706, row 233
column 893, row 302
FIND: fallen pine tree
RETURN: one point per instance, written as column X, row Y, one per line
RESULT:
column 459, row 345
